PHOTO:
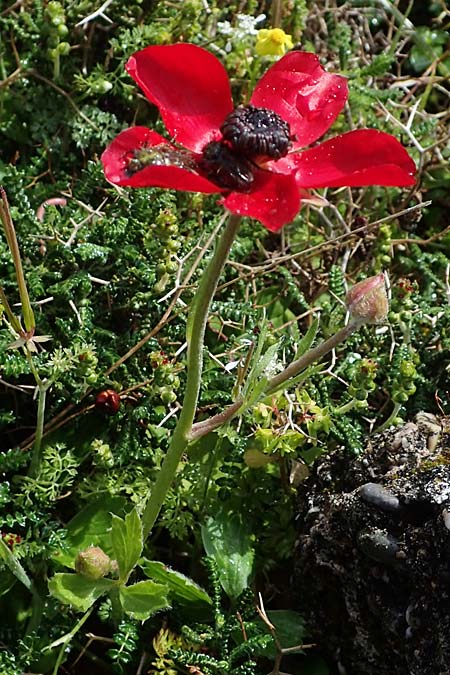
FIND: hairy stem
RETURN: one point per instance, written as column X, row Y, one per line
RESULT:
column 312, row 356
column 282, row 379
column 197, row 319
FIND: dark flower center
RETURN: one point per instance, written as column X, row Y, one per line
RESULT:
column 226, row 168
column 250, row 137
column 257, row 133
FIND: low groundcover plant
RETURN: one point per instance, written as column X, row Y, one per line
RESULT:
column 252, row 156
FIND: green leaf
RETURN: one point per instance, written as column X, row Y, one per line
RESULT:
column 14, row 565
column 78, row 591
column 127, row 542
column 181, row 587
column 90, row 527
column 228, row 542
column 143, row 599
column 307, row 339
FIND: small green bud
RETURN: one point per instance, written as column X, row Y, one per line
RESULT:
column 101, row 87
column 64, row 48
column 54, row 8
column 62, row 30
column 360, row 395
column 161, row 268
column 167, row 395
column 400, row 397
column 173, row 245
column 406, row 315
column 172, row 266
column 407, row 369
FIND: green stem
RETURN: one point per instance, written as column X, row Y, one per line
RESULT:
column 36, row 456
column 277, row 13
column 286, row 378
column 312, row 356
column 206, row 426
column 390, row 419
column 42, row 387
column 66, row 639
column 196, row 331
column 345, row 408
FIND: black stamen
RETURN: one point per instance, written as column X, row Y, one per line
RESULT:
column 221, row 165
column 257, row 133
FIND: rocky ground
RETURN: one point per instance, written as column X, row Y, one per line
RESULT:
column 373, row 553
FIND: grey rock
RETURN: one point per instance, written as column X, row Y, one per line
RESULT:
column 379, row 496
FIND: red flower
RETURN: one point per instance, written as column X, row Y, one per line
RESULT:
column 216, row 148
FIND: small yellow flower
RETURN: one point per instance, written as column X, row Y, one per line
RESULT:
column 273, row 42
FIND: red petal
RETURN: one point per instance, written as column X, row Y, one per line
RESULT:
column 303, row 94
column 116, row 159
column 358, row 158
column 275, row 201
column 190, row 87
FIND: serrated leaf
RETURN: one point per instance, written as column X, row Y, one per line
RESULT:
column 90, row 527
column 181, row 587
column 228, row 542
column 143, row 599
column 127, row 542
column 78, row 591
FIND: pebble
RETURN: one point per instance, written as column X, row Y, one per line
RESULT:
column 379, row 496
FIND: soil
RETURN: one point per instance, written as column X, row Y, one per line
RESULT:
column 372, row 571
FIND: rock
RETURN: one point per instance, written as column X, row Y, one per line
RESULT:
column 376, row 494
column 372, row 573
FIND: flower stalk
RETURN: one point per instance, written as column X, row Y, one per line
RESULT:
column 197, row 320
column 311, row 356
column 366, row 301
column 283, row 379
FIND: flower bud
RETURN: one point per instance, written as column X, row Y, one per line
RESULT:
column 93, row 563
column 367, row 300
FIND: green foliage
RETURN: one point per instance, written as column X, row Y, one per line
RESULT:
column 102, row 270
column 126, row 638
column 80, row 590
column 228, row 543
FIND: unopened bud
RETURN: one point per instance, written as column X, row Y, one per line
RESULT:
column 367, row 300
column 93, row 563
